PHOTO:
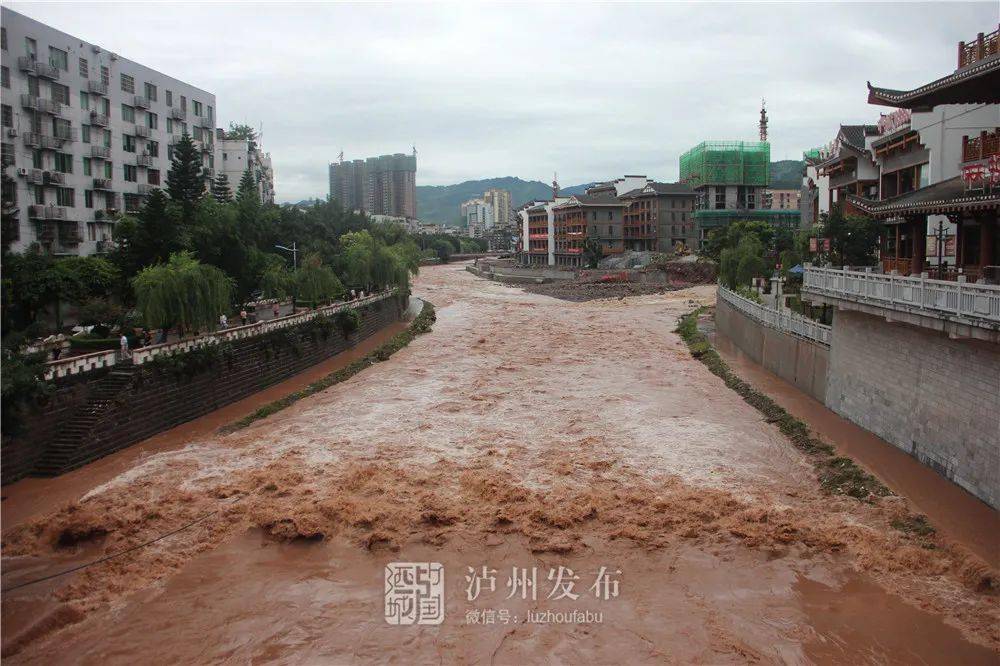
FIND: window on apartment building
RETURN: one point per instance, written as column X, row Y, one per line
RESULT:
column 8, row 115
column 152, row 121
column 88, row 198
column 131, row 173
column 33, row 86
column 106, row 138
column 60, row 93
column 210, row 112
column 196, row 107
column 154, row 148
column 86, row 166
column 85, row 133
column 36, row 159
column 31, row 48
column 128, row 84
column 58, row 58
column 5, row 76
column 109, row 172
column 720, row 198
column 128, row 113
column 170, row 153
column 105, row 75
column 611, row 215
column 611, row 230
column 105, row 105
column 65, row 196
column 184, row 128
column 170, row 126
column 197, row 133
column 64, row 163
column 184, row 103
column 84, row 100
column 39, row 195
column 61, row 128
column 3, row 38
column 150, row 92
column 128, row 143
column 170, row 98
column 84, row 68
column 153, row 176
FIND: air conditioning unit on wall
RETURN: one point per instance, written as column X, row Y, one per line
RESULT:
column 12, row 131
column 22, row 172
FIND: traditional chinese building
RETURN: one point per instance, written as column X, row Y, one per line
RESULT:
column 850, row 166
column 659, row 216
column 582, row 216
column 940, row 171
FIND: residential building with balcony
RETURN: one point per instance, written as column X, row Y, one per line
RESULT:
column 478, row 217
column 234, row 156
column 86, row 134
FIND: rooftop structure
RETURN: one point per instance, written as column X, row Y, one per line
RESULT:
column 727, row 163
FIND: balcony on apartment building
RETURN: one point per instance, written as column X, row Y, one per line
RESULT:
column 178, row 113
column 54, row 178
column 43, row 141
column 97, row 88
column 144, row 160
column 146, row 189
column 207, row 122
column 102, row 183
column 140, row 102
column 100, row 152
column 42, row 69
column 43, row 212
column 982, row 47
column 99, row 119
column 65, row 133
column 141, row 131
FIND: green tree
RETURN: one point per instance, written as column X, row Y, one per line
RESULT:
column 239, row 131
column 248, row 188
column 221, row 191
column 315, row 282
column 150, row 237
column 853, row 239
column 592, row 252
column 184, row 180
column 22, row 383
column 739, row 265
column 182, row 292
column 8, row 204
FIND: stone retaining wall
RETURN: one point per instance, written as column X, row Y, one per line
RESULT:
column 156, row 400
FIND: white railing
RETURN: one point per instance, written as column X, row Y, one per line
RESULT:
column 977, row 304
column 77, row 364
column 784, row 320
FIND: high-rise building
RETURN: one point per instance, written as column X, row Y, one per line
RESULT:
column 499, row 201
column 87, row 134
column 478, row 216
column 385, row 185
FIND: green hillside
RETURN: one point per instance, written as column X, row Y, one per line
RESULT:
column 786, row 174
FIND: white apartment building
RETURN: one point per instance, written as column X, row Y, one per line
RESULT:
column 87, row 134
column 478, row 216
column 234, row 156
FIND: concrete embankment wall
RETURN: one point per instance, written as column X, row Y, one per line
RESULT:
column 800, row 362
column 936, row 398
column 156, row 399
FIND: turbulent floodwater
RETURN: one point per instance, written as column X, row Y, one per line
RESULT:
column 522, row 432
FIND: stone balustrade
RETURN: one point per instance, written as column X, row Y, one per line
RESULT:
column 784, row 320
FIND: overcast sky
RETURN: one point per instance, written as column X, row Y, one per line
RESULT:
column 592, row 91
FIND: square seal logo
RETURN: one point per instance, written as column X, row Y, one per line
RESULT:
column 414, row 593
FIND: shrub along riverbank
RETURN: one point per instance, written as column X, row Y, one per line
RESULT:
column 421, row 324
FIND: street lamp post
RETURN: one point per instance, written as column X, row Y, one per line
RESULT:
column 295, row 253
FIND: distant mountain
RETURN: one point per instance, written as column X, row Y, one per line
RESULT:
column 443, row 203
column 786, row 174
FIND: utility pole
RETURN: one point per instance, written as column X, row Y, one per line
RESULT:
column 295, row 254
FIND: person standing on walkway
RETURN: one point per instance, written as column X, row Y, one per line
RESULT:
column 243, row 316
column 124, row 345
column 276, row 310
column 223, row 321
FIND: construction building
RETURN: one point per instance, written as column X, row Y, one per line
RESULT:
column 730, row 179
column 384, row 185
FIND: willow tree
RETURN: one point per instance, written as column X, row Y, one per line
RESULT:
column 315, row 282
column 182, row 292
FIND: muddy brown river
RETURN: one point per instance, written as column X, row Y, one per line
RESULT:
column 549, row 482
